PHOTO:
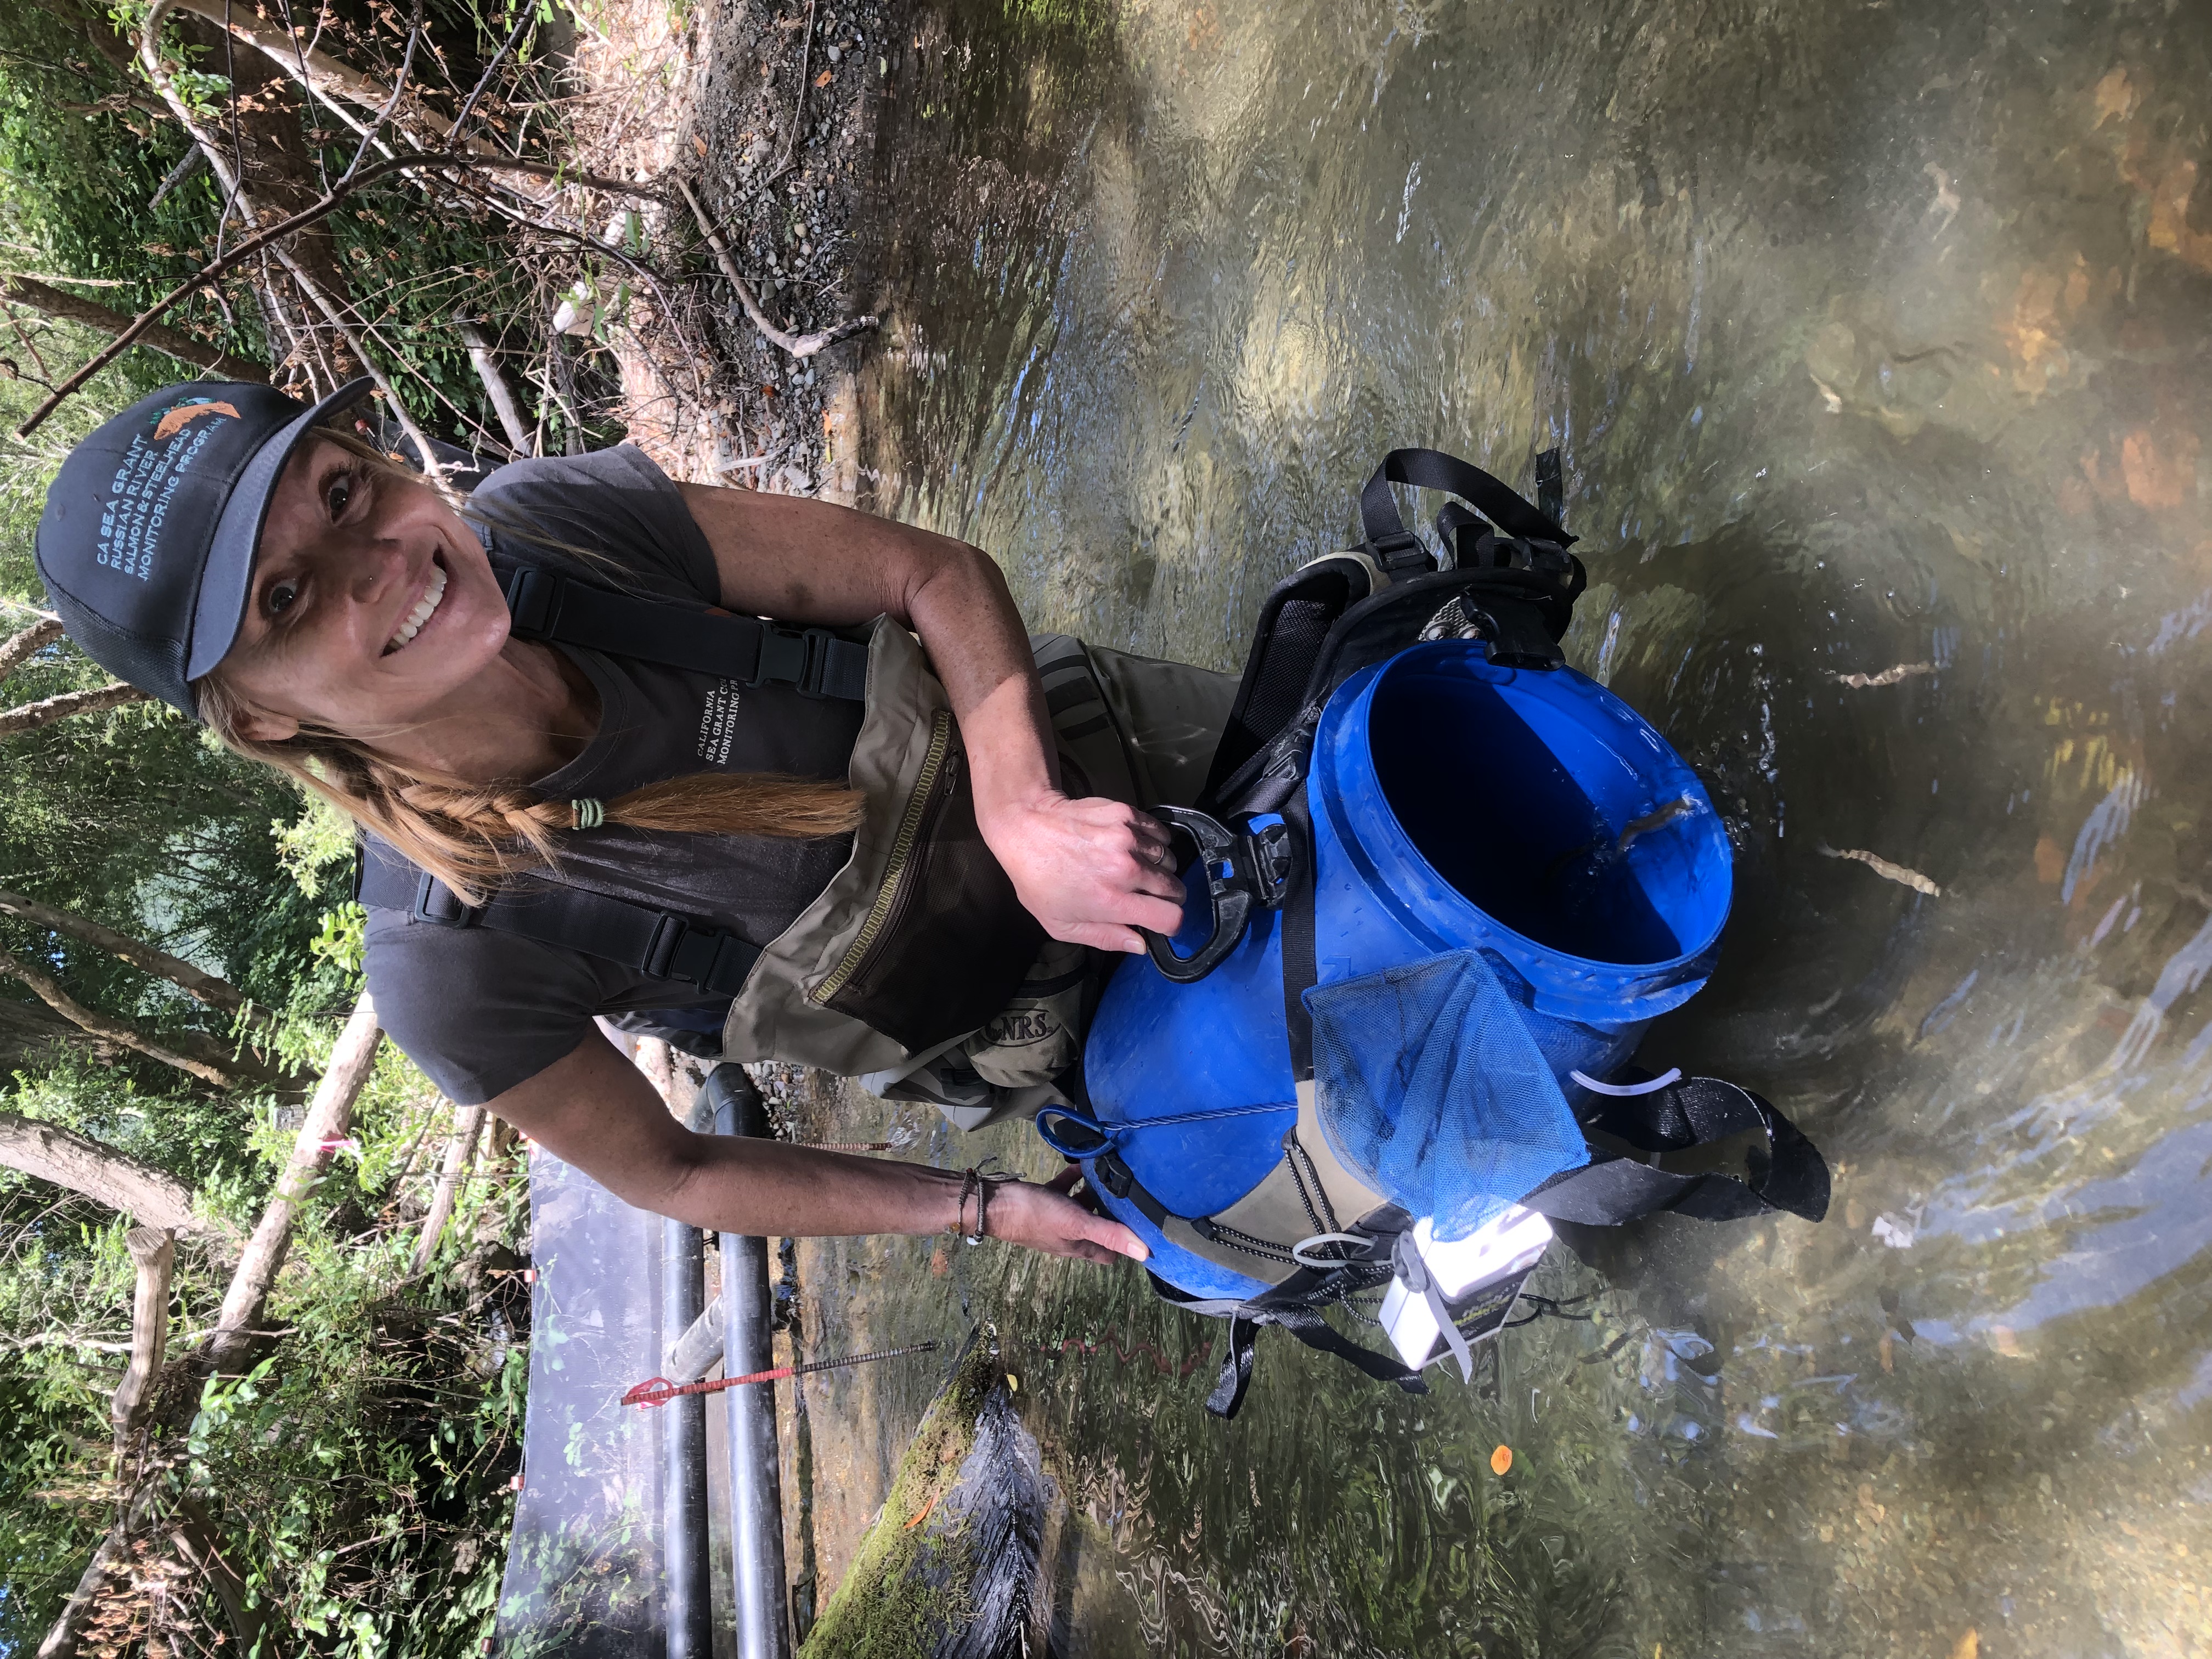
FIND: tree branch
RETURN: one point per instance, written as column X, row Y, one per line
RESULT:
column 460, row 1152
column 327, row 77
column 50, row 992
column 200, row 986
column 68, row 1632
column 798, row 345
column 194, row 1534
column 328, row 1116
column 216, row 268
column 29, row 716
column 21, row 647
column 90, row 313
column 153, row 1196
column 154, row 1249
column 496, row 385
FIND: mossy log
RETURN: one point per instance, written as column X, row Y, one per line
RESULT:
column 949, row 1569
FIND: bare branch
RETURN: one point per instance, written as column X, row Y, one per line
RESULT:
column 154, row 1251
column 798, row 345
column 193, row 1532
column 153, row 1196
column 90, row 313
column 273, row 234
column 201, row 986
column 327, row 1119
column 496, row 385
column 326, row 77
column 29, row 716
column 460, row 1153
column 22, row 646
column 49, row 992
column 68, row 1630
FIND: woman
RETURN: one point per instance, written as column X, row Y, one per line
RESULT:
column 879, row 870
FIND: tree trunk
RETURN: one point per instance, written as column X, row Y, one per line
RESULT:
column 338, row 82
column 194, row 1533
column 68, row 1632
column 35, row 638
column 29, row 716
column 202, row 987
column 328, row 1117
column 90, row 313
column 154, row 1251
column 223, row 1075
column 497, row 386
column 271, row 157
column 153, row 1197
column 460, row 1153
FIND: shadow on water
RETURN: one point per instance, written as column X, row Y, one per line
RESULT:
column 1875, row 339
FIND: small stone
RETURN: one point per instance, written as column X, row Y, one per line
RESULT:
column 834, row 54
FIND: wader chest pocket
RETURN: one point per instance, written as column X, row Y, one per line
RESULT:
column 945, row 942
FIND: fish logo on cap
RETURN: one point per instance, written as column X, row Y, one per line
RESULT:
column 178, row 416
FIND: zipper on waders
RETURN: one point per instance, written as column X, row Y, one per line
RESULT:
column 892, row 890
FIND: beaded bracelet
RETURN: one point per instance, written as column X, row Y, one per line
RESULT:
column 973, row 1181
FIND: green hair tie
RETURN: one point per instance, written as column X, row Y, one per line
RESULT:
column 586, row 814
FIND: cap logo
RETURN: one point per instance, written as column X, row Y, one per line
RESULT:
column 178, row 416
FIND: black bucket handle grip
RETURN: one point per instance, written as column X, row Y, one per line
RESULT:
column 1241, row 870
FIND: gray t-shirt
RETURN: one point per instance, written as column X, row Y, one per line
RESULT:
column 480, row 1011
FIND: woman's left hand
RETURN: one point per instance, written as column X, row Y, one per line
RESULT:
column 1092, row 871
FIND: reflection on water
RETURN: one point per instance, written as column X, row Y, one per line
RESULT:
column 1875, row 336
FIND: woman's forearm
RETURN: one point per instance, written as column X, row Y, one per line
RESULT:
column 764, row 1188
column 979, row 646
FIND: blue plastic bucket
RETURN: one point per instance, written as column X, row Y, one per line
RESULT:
column 1456, row 805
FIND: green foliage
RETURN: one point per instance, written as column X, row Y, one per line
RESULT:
column 76, row 176
column 361, row 1475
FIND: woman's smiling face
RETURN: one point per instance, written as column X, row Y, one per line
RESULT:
column 372, row 605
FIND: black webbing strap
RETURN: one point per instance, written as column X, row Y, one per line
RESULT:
column 1300, row 966
column 1396, row 548
column 813, row 660
column 656, row 943
column 1703, row 1148
column 1227, row 1398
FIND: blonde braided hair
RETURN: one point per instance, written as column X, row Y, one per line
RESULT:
column 472, row 836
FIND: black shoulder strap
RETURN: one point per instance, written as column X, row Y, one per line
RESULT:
column 1393, row 545
column 656, row 943
column 554, row 608
column 1698, row 1147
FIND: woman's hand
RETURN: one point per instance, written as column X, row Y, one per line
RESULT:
column 1093, row 872
column 1046, row 1219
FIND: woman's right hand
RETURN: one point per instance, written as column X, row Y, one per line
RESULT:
column 1044, row 1218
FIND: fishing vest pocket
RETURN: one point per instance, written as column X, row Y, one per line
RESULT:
column 945, row 943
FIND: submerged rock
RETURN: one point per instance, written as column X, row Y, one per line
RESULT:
column 951, row 1570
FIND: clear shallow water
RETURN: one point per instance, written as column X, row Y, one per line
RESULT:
column 1875, row 337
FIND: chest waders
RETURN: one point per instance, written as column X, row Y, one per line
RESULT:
column 918, row 938
column 1442, row 884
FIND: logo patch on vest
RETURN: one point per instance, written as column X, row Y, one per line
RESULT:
column 718, row 723
column 1021, row 1028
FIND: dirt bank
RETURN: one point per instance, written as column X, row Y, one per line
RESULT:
column 769, row 113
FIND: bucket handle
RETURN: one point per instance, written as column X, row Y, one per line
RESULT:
column 1241, row 869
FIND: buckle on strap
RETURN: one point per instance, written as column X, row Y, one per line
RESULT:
column 439, row 905
column 794, row 657
column 709, row 957
column 1400, row 552
column 533, row 600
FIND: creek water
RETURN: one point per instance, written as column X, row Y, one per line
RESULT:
column 1875, row 338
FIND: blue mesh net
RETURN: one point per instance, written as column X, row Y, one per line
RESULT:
column 1432, row 1089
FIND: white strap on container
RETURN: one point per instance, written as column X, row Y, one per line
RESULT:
column 1298, row 1250
column 1621, row 1091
